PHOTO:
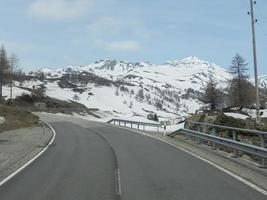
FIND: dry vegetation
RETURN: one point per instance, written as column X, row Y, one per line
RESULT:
column 16, row 118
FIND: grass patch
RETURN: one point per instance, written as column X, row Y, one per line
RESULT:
column 16, row 118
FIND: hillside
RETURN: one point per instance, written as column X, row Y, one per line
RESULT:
column 122, row 88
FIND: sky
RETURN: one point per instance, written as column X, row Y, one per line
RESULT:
column 56, row 33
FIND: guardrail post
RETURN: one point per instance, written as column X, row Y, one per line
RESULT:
column 235, row 152
column 138, row 126
column 143, row 127
column 114, row 122
column 263, row 160
column 213, row 132
column 125, row 124
column 131, row 125
column 198, row 130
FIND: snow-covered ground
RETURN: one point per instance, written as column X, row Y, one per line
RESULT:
column 250, row 113
column 236, row 115
column 16, row 92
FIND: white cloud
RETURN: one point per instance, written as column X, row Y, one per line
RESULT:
column 127, row 45
column 60, row 9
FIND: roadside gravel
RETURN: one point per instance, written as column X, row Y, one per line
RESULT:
column 17, row 147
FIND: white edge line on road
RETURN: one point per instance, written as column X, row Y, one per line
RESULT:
column 33, row 159
column 252, row 185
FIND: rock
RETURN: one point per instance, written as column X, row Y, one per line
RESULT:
column 2, row 120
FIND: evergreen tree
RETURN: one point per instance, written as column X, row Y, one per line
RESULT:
column 140, row 95
column 155, row 117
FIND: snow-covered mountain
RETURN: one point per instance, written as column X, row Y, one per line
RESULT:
column 124, row 88
column 263, row 81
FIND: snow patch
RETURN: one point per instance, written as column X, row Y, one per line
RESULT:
column 236, row 115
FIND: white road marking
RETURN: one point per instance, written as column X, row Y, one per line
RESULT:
column 215, row 165
column 33, row 159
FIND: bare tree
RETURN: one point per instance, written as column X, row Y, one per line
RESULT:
column 241, row 91
column 4, row 65
column 13, row 61
column 239, row 71
column 239, row 67
column 212, row 94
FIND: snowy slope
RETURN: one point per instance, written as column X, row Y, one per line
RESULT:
column 170, row 89
column 263, row 81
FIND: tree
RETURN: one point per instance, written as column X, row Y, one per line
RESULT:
column 140, row 95
column 158, row 103
column 239, row 67
column 76, row 97
column 211, row 94
column 131, row 105
column 241, row 91
column 117, row 92
column 4, row 66
column 13, row 60
column 155, row 117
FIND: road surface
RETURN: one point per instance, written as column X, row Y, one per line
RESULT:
column 102, row 162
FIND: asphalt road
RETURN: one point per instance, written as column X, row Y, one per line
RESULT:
column 100, row 162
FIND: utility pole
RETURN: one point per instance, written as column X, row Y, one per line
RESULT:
column 11, row 82
column 252, row 3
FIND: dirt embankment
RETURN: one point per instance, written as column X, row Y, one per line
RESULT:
column 16, row 118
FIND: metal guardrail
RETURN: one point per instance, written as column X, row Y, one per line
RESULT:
column 260, row 151
column 229, row 128
column 138, row 124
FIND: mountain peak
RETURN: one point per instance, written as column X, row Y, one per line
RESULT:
column 192, row 59
column 189, row 61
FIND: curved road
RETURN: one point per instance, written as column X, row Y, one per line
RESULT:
column 100, row 162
